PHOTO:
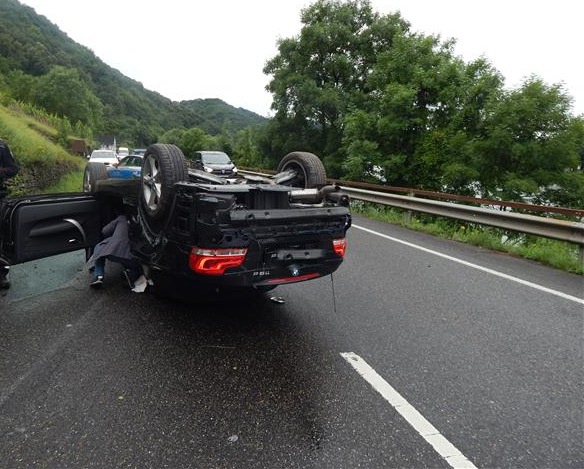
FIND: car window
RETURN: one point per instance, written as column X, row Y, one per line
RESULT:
column 131, row 161
column 103, row 154
column 216, row 158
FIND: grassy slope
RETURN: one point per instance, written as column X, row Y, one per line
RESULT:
column 42, row 162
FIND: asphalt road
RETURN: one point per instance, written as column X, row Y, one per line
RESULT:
column 487, row 353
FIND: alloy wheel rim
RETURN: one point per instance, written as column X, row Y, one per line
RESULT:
column 151, row 185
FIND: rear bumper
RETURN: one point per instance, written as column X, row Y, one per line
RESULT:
column 266, row 265
column 284, row 243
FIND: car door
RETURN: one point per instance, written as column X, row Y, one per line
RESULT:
column 47, row 225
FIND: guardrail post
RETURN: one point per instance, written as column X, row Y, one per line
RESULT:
column 581, row 254
column 408, row 214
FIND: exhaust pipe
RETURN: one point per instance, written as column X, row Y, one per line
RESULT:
column 315, row 196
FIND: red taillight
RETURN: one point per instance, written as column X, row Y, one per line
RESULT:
column 215, row 261
column 339, row 246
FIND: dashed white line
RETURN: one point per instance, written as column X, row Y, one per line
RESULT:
column 440, row 444
column 476, row 266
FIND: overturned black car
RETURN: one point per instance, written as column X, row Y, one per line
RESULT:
column 189, row 226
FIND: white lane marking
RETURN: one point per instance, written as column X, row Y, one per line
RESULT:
column 478, row 267
column 440, row 444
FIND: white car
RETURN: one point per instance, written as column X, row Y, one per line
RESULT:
column 107, row 157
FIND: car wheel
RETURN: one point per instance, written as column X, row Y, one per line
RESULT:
column 162, row 167
column 310, row 172
column 93, row 172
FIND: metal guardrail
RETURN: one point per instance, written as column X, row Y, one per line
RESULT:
column 523, row 206
column 563, row 230
column 528, row 207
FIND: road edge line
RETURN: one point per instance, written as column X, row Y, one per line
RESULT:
column 416, row 420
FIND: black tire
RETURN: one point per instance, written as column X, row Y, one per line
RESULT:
column 162, row 167
column 310, row 172
column 93, row 172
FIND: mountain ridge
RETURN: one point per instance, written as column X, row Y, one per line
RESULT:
column 30, row 44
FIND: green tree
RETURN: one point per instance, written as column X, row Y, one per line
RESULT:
column 172, row 136
column 420, row 97
column 372, row 98
column 321, row 74
column 245, row 150
column 445, row 151
column 63, row 92
column 196, row 139
column 22, row 87
column 529, row 141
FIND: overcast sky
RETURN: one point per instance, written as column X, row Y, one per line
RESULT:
column 188, row 49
